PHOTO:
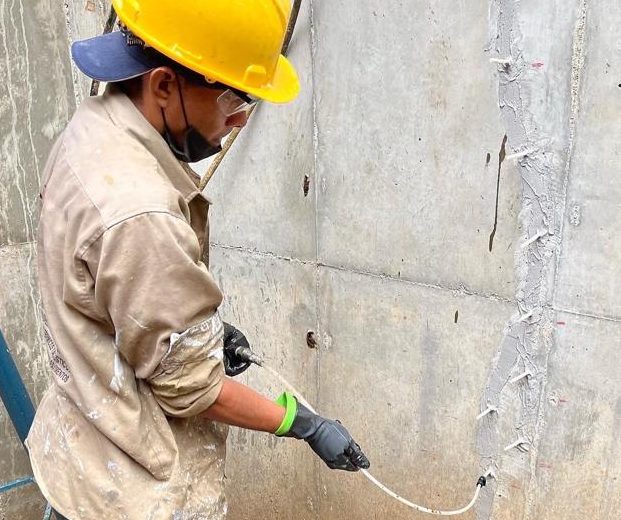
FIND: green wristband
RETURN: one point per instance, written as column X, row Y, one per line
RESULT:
column 287, row 401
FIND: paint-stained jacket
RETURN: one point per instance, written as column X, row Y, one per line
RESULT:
column 131, row 322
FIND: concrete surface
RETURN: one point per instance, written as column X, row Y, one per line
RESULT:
column 35, row 102
column 589, row 280
column 403, row 227
column 578, row 470
column 406, row 377
column 19, row 300
column 280, row 471
column 270, row 172
column 393, row 146
column 398, row 137
column 37, row 97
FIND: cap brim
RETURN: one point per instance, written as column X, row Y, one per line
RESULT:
column 109, row 58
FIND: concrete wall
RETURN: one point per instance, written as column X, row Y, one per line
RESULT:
column 38, row 93
column 404, row 133
column 400, row 129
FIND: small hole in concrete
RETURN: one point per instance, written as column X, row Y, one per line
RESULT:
column 311, row 339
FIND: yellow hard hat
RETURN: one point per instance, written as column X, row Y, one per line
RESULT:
column 235, row 42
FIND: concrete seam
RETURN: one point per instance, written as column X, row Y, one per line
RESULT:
column 77, row 91
column 460, row 290
column 588, row 315
column 315, row 146
column 318, row 321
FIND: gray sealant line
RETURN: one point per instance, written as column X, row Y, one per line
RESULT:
column 527, row 337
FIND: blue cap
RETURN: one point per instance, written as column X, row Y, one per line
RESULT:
column 116, row 56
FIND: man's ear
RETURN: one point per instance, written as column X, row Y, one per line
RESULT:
column 161, row 84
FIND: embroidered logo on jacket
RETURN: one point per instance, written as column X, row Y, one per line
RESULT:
column 57, row 363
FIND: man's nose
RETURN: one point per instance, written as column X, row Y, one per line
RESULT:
column 238, row 119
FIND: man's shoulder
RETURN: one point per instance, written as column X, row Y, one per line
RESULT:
column 118, row 175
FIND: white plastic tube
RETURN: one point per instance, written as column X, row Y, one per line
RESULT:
column 370, row 477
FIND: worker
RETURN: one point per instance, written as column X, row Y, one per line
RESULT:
column 135, row 422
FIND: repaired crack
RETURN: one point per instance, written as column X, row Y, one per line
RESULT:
column 528, row 337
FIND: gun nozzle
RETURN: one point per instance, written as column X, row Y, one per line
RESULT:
column 248, row 355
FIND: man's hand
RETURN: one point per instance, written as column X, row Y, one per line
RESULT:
column 328, row 439
column 234, row 339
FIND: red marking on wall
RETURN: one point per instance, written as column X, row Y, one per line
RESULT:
column 537, row 64
column 90, row 5
column 561, row 323
column 562, row 400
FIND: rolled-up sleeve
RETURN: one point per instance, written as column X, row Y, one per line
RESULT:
column 189, row 378
column 162, row 306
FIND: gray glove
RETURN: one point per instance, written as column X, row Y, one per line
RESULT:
column 234, row 343
column 328, row 439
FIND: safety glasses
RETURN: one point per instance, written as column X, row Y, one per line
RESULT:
column 232, row 101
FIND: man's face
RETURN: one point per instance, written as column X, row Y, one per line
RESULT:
column 213, row 112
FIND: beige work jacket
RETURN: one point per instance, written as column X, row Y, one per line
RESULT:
column 132, row 327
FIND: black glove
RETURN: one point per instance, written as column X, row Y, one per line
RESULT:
column 233, row 340
column 328, row 439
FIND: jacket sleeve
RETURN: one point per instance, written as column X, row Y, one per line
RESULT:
column 161, row 303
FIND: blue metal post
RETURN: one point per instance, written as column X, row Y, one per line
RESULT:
column 13, row 393
column 21, row 411
column 15, row 484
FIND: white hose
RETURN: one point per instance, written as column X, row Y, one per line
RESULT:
column 370, row 477
column 422, row 509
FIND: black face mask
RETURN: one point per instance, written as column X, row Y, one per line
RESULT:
column 194, row 146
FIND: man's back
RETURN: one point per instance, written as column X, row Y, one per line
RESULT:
column 121, row 233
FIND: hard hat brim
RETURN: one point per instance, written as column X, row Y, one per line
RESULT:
column 109, row 58
column 284, row 87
